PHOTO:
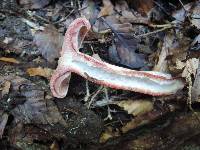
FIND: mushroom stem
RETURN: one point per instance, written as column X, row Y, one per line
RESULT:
column 71, row 60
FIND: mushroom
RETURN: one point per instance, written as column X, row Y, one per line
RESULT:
column 100, row 72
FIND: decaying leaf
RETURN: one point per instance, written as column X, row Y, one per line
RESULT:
column 49, row 43
column 181, row 14
column 90, row 10
column 191, row 9
column 107, row 9
column 44, row 72
column 195, row 93
column 108, row 134
column 146, row 118
column 174, row 48
column 5, row 88
column 54, row 146
column 136, row 107
column 123, row 52
column 9, row 60
column 162, row 62
column 124, row 46
column 35, row 109
column 142, row 6
column 196, row 15
column 190, row 68
column 195, row 45
column 3, row 122
column 33, row 4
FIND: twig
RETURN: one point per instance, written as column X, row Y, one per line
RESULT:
column 109, row 116
column 29, row 13
column 94, row 96
column 87, row 91
column 65, row 18
column 32, row 24
column 153, row 32
column 182, row 5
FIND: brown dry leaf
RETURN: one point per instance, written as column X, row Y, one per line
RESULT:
column 6, row 88
column 9, row 60
column 195, row 93
column 44, row 72
column 108, row 134
column 107, row 9
column 147, row 118
column 142, row 6
column 54, row 146
column 162, row 62
column 176, row 48
column 49, row 43
column 32, row 107
column 33, row 4
column 128, row 15
column 196, row 15
column 136, row 107
column 190, row 68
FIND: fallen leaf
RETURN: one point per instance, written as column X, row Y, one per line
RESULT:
column 33, row 4
column 191, row 66
column 9, row 60
column 123, row 50
column 161, row 65
column 107, row 9
column 49, row 43
column 195, row 45
column 181, row 14
column 195, row 15
column 3, row 122
column 44, row 72
column 31, row 134
column 191, row 9
column 146, row 118
column 54, row 146
column 90, row 10
column 124, row 46
column 176, row 49
column 108, row 134
column 6, row 88
column 35, row 108
column 195, row 93
column 136, row 107
column 129, row 15
column 142, row 6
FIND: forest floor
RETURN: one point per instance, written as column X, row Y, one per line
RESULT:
column 154, row 35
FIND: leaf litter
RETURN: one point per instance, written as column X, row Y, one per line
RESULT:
column 154, row 35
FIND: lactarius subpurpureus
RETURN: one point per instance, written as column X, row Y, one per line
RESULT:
column 97, row 71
